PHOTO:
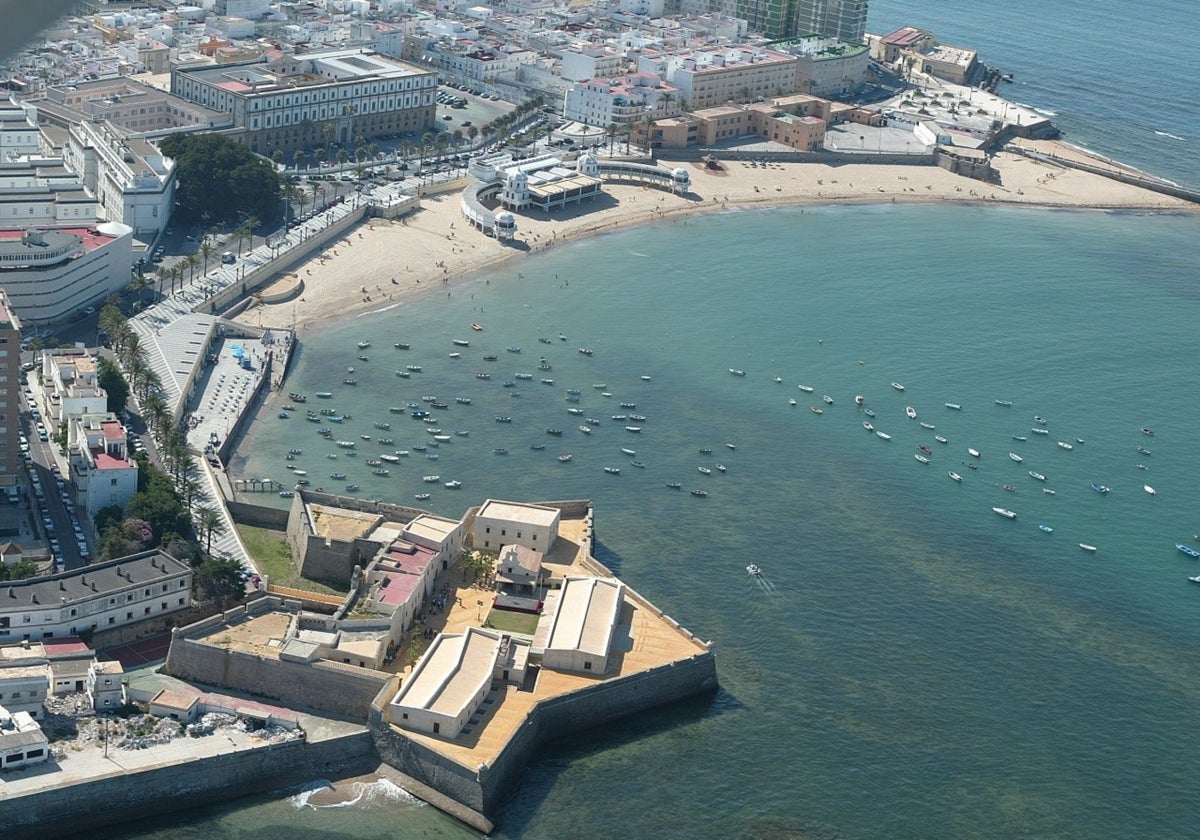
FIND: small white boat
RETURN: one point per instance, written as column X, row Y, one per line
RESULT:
column 720, row 468
column 753, row 570
column 420, row 497
column 1149, row 489
column 1047, row 491
column 925, row 425
column 1040, row 431
column 1087, row 547
column 1062, row 444
column 910, row 412
column 630, row 452
column 587, row 430
column 867, row 425
column 613, row 470
column 791, row 401
column 921, row 458
column 1037, row 475
column 634, row 429
column 897, row 386
column 452, row 485
column 1005, row 512
column 1047, row 529
column 1041, row 421
column 431, row 479
column 777, row 379
column 882, row 435
column 954, row 406
column 737, row 372
column 940, row 439
column 805, row 388
column 562, row 459
column 705, row 470
column 974, row 453
column 954, row 475
column 828, row 399
column 1015, row 457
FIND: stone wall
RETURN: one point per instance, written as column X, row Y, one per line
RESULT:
column 258, row 516
column 119, row 797
column 102, row 639
column 484, row 789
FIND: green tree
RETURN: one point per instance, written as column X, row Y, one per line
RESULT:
column 222, row 580
column 298, row 158
column 216, row 177
column 209, row 523
column 319, row 155
column 342, row 156
column 206, row 251
column 108, row 377
column 21, row 570
column 277, row 156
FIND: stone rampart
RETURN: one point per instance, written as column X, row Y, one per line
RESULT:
column 258, row 516
column 118, row 797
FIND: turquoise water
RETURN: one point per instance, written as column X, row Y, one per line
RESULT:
column 917, row 666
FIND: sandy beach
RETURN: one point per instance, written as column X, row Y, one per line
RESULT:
column 433, row 250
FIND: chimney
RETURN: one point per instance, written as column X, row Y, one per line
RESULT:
column 93, row 586
column 33, row 598
column 11, row 593
column 62, row 587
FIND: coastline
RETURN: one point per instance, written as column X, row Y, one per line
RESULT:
column 354, row 276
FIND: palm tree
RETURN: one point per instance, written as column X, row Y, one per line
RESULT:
column 326, row 134
column 406, row 148
column 318, row 188
column 426, row 144
column 209, row 522
column 442, row 141
column 138, row 284
column 156, row 414
column 666, row 99
column 130, row 349
column 206, row 250
column 298, row 158
column 373, row 151
column 291, row 193
column 277, row 156
column 612, row 130
column 472, row 133
column 342, row 156
column 191, row 260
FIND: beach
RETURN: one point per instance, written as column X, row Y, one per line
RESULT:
column 432, row 251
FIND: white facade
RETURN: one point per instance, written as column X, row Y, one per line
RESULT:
column 97, row 597
column 22, row 741
column 101, row 470
column 591, row 61
column 500, row 523
column 478, row 63
column 134, row 182
column 448, row 684
column 24, row 688
column 106, row 686
column 576, row 628
column 18, row 130
column 623, row 102
column 47, row 283
column 716, row 76
column 69, row 380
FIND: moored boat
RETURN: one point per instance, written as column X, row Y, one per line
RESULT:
column 1147, row 432
column 816, row 409
column 859, row 399
column 1062, row 444
column 897, row 386
column 940, row 439
column 925, row 425
column 1037, row 475
column 910, row 412
column 701, row 493
column 1038, row 431
column 867, row 425
column 1005, row 512
column 1003, row 402
column 954, row 406
column 827, row 399
column 1188, row 550
column 562, row 459
column 954, row 475
column 420, row 497
column 1087, row 547
column 882, row 435
column 1047, row 529
column 753, row 570
column 974, row 453
column 452, row 485
column 613, row 470
column 921, row 458
column 1015, row 457
column 737, row 372
column 1101, row 488
column 1149, row 489
column 805, row 388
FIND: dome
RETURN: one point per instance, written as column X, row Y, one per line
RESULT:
column 506, row 218
column 680, row 174
column 114, row 229
column 518, row 179
column 586, row 159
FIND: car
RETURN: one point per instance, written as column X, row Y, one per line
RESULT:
column 447, row 116
column 467, row 123
column 54, row 545
column 43, row 437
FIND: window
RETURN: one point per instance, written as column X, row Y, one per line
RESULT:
column 147, row 611
column 112, row 619
column 129, row 616
column 181, row 602
column 587, row 666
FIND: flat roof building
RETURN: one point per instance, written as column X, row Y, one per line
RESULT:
column 576, row 628
column 11, row 464
column 498, row 523
column 448, row 684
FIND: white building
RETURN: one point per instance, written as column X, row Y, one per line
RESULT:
column 519, row 568
column 592, row 61
column 24, row 688
column 451, row 680
column 106, row 685
column 286, row 103
column 38, row 191
column 101, row 470
column 500, row 523
column 718, row 75
column 623, row 102
column 476, row 62
column 50, row 274
column 577, row 624
column 133, row 180
column 22, row 741
column 97, row 597
column 69, row 381
column 18, row 130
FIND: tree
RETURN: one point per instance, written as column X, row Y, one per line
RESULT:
column 327, row 131
column 612, row 130
column 21, row 570
column 319, row 155
column 191, row 261
column 209, row 522
column 109, row 377
column 373, row 151
column 342, row 156
column 472, row 133
column 216, row 177
column 277, row 156
column 206, row 251
column 222, row 580
column 298, row 158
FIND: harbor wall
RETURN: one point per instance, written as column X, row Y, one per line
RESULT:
column 124, row 795
column 258, row 516
column 333, row 688
column 1161, row 187
column 484, row 788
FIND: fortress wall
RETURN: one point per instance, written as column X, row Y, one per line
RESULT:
column 169, row 787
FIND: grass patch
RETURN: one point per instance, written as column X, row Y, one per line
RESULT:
column 271, row 555
column 512, row 622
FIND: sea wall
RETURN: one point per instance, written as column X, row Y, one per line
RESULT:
column 484, row 788
column 258, row 516
column 120, row 796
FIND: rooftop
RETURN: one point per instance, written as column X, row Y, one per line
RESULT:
column 90, row 581
column 514, row 511
column 451, row 672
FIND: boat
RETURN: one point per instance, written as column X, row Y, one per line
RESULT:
column 585, row 351
column 555, row 432
column 461, row 342
column 753, row 570
column 400, row 345
column 477, row 327
column 859, row 399
column 634, row 429
column 418, row 414
column 391, row 459
column 591, row 421
column 499, row 450
column 587, row 430
column 720, row 468
column 432, row 456
column 925, row 449
column 324, row 395
column 600, row 386
column 299, row 472
column 954, row 475
column 613, row 470
column 645, row 378
column 925, row 425
column 777, row 379
column 730, row 446
column 1039, row 420
column 295, row 451
column 828, row 399
column 513, row 349
column 490, row 357
column 304, row 482
column 674, row 485
column 940, row 439
column 462, row 432
column 349, row 381
column 1149, row 489
column 921, row 458
column 1005, row 512
column 868, row 412
column 370, row 462
column 1037, row 475
column 1101, row 488
column 482, row 375
column 954, row 406
column 420, row 447
column 346, row 444
column 1021, row 438
column 882, row 435
column 456, row 355
column 1047, row 529
column 705, row 470
column 867, row 425
column 1147, row 432
column 700, row 493
column 805, row 388
column 562, row 337
column 503, row 419
column 403, row 374
column 576, row 411
column 910, row 412
column 628, row 405
column 431, row 479
column 546, row 382
column 1188, row 550
column 413, row 368
column 639, row 418
column 1009, row 488
column 1004, row 402
column 379, row 471
column 1062, row 444
column 974, row 453
column 364, row 344
column 737, row 372
column 1140, row 466
column 816, row 409
column 562, row 459
column 384, row 426
column 791, row 400
column 1195, row 579
column 1015, row 457
column 420, row 497
column 1038, row 431
column 351, row 488
column 1087, row 547
column 287, row 494
column 630, row 452
column 298, row 398
column 537, row 447
column 1143, row 450
column 545, row 366
column 897, row 386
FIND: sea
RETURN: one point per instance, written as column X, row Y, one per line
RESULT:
column 909, row 664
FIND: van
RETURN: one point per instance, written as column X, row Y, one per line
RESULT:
column 228, row 258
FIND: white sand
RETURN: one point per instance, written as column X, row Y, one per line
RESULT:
column 384, row 262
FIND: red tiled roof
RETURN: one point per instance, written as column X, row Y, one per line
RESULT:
column 104, row 461
column 67, row 644
column 397, row 589
column 92, row 238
